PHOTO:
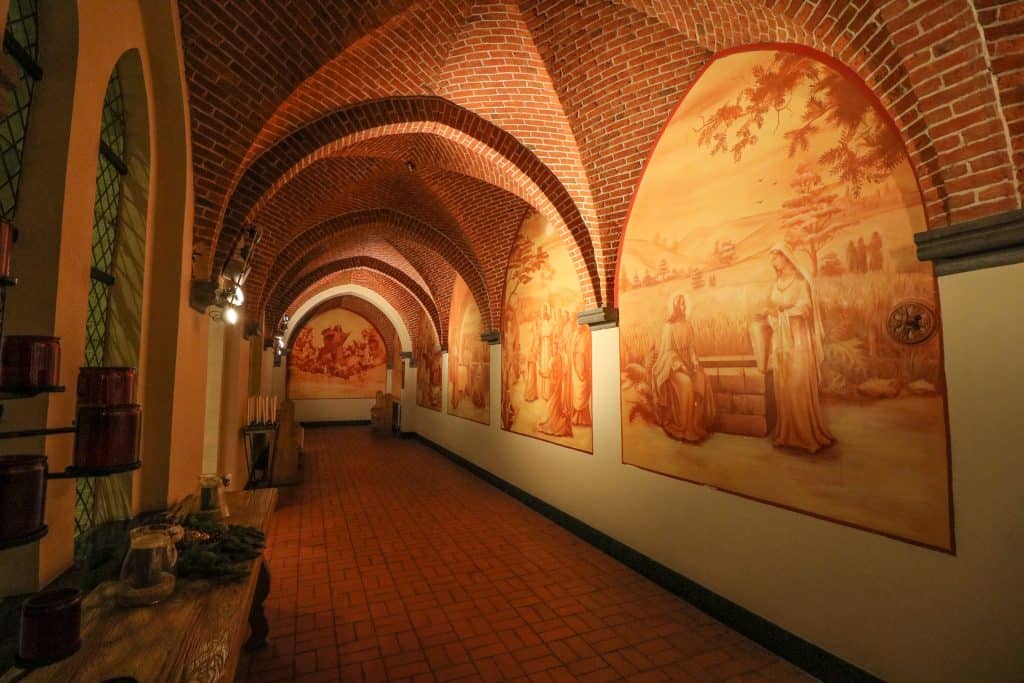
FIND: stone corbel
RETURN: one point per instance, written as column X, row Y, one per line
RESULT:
column 491, row 337
column 202, row 294
column 599, row 318
column 984, row 243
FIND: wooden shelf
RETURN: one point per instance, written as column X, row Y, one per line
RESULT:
column 26, row 539
column 10, row 393
column 82, row 472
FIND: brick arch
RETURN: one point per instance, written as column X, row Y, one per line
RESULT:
column 928, row 72
column 924, row 63
column 404, row 306
column 333, row 132
column 282, row 297
column 362, row 308
column 441, row 254
column 342, row 185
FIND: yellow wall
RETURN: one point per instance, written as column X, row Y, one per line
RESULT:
column 899, row 611
column 80, row 44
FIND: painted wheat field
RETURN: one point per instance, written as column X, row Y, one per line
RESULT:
column 801, row 181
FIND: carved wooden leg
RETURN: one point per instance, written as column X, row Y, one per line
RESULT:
column 257, row 619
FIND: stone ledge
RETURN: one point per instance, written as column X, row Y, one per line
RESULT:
column 492, row 337
column 599, row 318
column 983, row 243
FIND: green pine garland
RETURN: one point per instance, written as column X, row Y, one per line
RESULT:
column 223, row 556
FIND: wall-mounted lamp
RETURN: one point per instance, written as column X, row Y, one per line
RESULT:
column 220, row 302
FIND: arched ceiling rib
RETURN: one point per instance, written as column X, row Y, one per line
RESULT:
column 306, row 111
column 394, row 285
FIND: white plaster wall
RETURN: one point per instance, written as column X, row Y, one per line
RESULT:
column 321, row 409
column 333, row 409
column 902, row 612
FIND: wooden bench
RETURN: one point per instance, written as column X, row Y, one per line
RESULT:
column 195, row 635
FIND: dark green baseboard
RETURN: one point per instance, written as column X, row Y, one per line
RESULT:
column 334, row 423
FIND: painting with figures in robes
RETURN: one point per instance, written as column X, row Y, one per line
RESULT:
column 545, row 352
column 469, row 359
column 336, row 354
column 428, row 366
column 397, row 367
column 779, row 338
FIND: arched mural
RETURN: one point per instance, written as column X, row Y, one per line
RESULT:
column 336, row 354
column 469, row 359
column 779, row 338
column 428, row 367
column 545, row 356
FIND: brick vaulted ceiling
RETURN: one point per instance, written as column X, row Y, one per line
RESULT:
column 306, row 113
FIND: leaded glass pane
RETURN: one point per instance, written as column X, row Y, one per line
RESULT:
column 23, row 28
column 106, row 219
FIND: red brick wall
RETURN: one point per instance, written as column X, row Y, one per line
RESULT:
column 305, row 112
column 409, row 305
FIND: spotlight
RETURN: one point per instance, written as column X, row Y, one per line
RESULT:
column 236, row 297
column 230, row 315
column 411, row 165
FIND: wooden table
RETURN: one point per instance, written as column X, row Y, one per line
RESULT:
column 195, row 635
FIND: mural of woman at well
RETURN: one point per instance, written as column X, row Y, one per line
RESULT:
column 795, row 355
column 780, row 203
column 546, row 355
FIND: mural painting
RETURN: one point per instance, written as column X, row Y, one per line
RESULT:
column 779, row 338
column 336, row 354
column 428, row 366
column 545, row 355
column 469, row 359
column 397, row 368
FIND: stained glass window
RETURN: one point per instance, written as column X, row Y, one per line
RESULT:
column 106, row 219
column 21, row 45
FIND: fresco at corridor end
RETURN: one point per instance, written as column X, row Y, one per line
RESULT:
column 428, row 366
column 336, row 354
column 469, row 359
column 545, row 355
column 767, row 270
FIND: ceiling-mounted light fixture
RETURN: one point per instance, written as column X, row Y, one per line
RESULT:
column 411, row 165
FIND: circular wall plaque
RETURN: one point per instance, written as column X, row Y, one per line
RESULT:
column 911, row 322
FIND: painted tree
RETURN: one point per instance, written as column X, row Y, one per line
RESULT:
column 524, row 263
column 863, row 147
column 811, row 217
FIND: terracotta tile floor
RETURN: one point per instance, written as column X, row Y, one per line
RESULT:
column 391, row 563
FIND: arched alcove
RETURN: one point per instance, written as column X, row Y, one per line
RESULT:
column 767, row 262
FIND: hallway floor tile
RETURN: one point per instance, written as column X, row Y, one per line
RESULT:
column 391, row 563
